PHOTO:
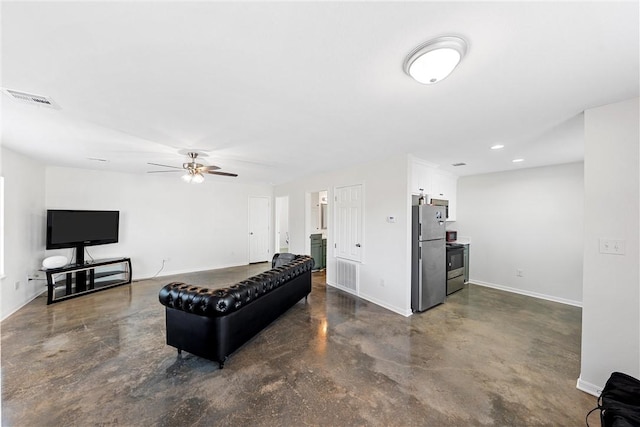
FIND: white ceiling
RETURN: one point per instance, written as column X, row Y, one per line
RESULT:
column 275, row 91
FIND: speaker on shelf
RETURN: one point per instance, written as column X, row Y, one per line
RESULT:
column 56, row 261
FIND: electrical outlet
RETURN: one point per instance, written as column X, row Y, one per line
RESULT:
column 382, row 283
column 35, row 275
column 519, row 273
column 17, row 285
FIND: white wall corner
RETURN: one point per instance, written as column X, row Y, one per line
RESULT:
column 383, row 304
column 587, row 387
column 399, row 310
column 611, row 295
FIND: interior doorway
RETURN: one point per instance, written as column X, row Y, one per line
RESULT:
column 259, row 229
column 317, row 227
column 282, row 224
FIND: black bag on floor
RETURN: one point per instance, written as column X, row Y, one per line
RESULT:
column 619, row 402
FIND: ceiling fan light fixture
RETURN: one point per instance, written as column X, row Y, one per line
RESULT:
column 187, row 177
column 193, row 172
column 434, row 60
column 198, row 178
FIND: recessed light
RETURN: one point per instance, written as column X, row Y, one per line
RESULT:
column 459, row 164
column 435, row 60
column 517, row 160
column 497, row 146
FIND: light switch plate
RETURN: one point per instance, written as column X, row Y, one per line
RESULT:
column 612, row 246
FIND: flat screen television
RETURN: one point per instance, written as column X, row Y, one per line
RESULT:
column 77, row 228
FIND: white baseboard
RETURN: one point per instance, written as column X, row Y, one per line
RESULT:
column 187, row 271
column 588, row 387
column 31, row 298
column 527, row 293
column 382, row 304
column 397, row 310
column 342, row 288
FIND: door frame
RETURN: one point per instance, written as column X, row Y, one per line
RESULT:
column 362, row 259
column 269, row 237
column 307, row 218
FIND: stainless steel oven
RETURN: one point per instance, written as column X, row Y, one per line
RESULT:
column 455, row 268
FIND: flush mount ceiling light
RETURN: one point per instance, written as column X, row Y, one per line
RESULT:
column 435, row 60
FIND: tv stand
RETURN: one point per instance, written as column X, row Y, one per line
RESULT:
column 77, row 279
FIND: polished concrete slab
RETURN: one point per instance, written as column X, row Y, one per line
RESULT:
column 485, row 357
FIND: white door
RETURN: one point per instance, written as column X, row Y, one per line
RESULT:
column 259, row 229
column 348, row 230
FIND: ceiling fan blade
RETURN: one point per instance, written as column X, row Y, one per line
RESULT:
column 208, row 168
column 162, row 171
column 222, row 173
column 164, row 166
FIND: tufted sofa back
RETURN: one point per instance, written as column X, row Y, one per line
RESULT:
column 220, row 302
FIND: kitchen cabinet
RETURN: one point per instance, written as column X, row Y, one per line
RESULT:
column 446, row 187
column 324, row 253
column 437, row 184
column 420, row 178
column 466, row 263
column 319, row 251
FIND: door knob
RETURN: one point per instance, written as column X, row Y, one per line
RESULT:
column 357, row 245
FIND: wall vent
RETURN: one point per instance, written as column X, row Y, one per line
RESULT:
column 30, row 98
column 347, row 274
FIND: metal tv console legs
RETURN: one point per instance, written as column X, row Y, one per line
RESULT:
column 78, row 279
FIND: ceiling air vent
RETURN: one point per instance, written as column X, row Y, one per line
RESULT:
column 29, row 98
column 459, row 164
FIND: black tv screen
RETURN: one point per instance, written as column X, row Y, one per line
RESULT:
column 76, row 228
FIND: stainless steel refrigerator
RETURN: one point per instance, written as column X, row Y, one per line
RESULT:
column 428, row 253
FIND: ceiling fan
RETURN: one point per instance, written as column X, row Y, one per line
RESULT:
column 194, row 171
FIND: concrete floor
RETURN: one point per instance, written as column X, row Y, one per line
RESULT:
column 485, row 357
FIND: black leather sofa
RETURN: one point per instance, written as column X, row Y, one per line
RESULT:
column 213, row 323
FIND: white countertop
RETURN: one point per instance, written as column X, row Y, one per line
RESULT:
column 463, row 240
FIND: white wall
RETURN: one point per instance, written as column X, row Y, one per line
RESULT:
column 385, row 273
column 610, row 315
column 282, row 218
column 529, row 220
column 195, row 226
column 24, row 236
